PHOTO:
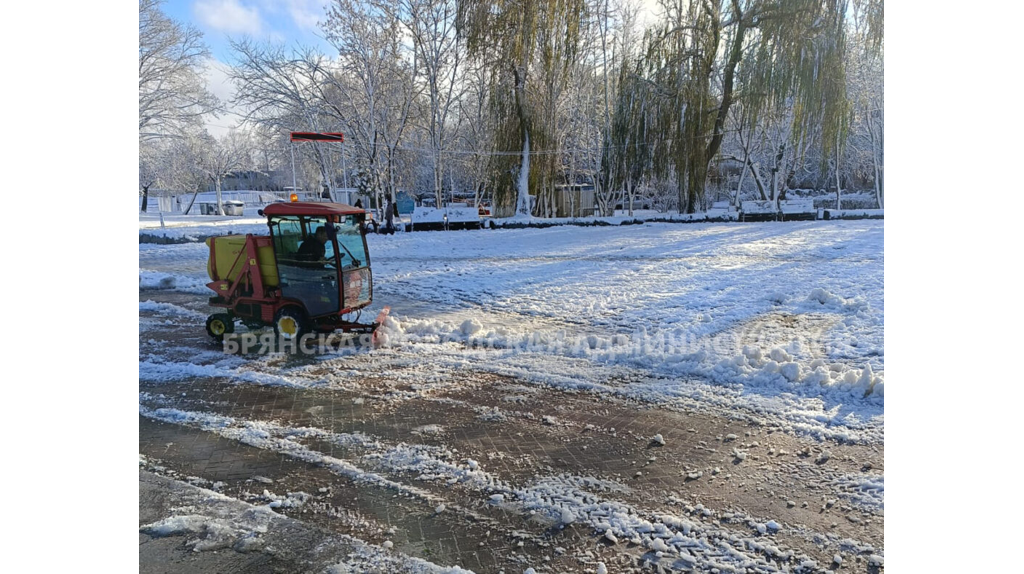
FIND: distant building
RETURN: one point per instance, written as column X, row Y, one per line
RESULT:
column 577, row 198
column 253, row 180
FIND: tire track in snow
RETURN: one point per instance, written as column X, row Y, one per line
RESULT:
column 673, row 541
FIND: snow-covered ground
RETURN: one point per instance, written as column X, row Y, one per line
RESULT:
column 160, row 221
column 489, row 415
column 780, row 322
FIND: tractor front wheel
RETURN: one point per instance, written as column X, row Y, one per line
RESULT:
column 219, row 324
column 290, row 324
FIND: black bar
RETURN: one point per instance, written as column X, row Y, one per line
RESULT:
column 314, row 136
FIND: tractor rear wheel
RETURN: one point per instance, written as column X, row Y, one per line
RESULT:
column 219, row 324
column 290, row 323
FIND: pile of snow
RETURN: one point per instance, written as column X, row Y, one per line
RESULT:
column 167, row 281
column 291, row 500
column 855, row 213
column 755, row 366
column 428, row 430
column 470, row 326
column 170, row 309
column 206, row 533
column 162, row 372
column 864, row 490
column 829, row 300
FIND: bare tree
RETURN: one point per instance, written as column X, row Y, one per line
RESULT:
column 184, row 159
column 197, row 159
column 372, row 88
column 172, row 92
column 231, row 153
column 283, row 91
column 866, row 80
column 476, row 132
column 149, row 170
column 441, row 55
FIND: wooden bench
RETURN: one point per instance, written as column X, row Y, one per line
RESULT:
column 797, row 209
column 722, row 211
column 758, row 211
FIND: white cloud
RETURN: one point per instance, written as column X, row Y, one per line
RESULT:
column 306, row 13
column 218, row 81
column 220, row 85
column 229, row 16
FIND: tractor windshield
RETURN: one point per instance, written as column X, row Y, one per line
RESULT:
column 307, row 263
column 350, row 243
column 357, row 285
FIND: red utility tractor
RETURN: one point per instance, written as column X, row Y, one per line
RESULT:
column 308, row 275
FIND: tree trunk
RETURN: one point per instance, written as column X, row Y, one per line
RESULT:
column 523, row 185
column 874, row 161
column 437, row 177
column 878, row 184
column 220, row 204
column 739, row 186
column 191, row 203
column 571, row 185
column 839, row 188
column 757, row 181
column 145, row 198
column 629, row 195
column 523, row 195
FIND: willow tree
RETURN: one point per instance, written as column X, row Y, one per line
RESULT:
column 768, row 54
column 512, row 38
column 631, row 148
column 866, row 81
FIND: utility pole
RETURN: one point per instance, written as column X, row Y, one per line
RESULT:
column 291, row 147
column 316, row 136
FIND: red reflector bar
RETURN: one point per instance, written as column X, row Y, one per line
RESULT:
column 315, row 136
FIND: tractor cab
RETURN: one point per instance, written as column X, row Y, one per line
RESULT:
column 322, row 260
column 309, row 274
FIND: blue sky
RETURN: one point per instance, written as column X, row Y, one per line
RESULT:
column 281, row 21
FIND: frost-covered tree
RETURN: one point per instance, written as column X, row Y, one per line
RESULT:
column 866, row 86
column 476, row 133
column 184, row 163
column 372, row 88
column 281, row 91
column 441, row 70
column 224, row 156
column 631, row 139
column 172, row 92
column 150, row 158
column 516, row 98
column 196, row 160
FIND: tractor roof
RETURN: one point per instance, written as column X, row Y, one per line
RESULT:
column 310, row 208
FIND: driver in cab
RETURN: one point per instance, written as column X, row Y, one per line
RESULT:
column 313, row 249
